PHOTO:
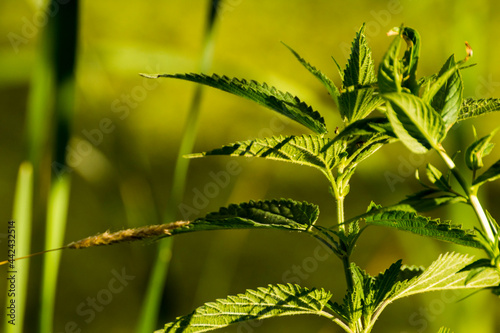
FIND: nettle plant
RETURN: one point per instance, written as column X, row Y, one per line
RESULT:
column 417, row 112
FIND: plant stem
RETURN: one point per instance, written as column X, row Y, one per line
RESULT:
column 340, row 214
column 476, row 205
column 347, row 272
column 22, row 216
column 61, row 38
column 149, row 314
column 342, row 228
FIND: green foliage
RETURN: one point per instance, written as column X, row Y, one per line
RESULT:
column 415, row 122
column 410, row 59
column 357, row 98
column 448, row 99
column 310, row 150
column 368, row 292
column 329, row 85
column 419, row 113
column 475, row 107
column 273, row 301
column 445, row 273
column 390, row 74
column 477, row 150
column 424, row 226
column 261, row 93
column 273, row 214
column 493, row 173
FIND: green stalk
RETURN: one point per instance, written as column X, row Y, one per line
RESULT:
column 36, row 136
column 56, row 225
column 62, row 44
column 476, row 205
column 22, row 217
column 149, row 313
column 347, row 271
column 345, row 258
column 151, row 304
column 340, row 214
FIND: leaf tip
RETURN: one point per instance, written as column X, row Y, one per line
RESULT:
column 150, row 76
column 194, row 155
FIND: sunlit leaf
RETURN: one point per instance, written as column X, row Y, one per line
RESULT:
column 448, row 99
column 493, row 173
column 358, row 99
column 477, row 150
column 329, row 85
column 415, row 122
column 282, row 214
column 423, row 226
column 427, row 200
column 436, row 177
column 410, row 59
column 444, row 274
column 475, row 107
column 310, row 150
column 282, row 102
column 367, row 126
column 390, row 71
column 272, row 301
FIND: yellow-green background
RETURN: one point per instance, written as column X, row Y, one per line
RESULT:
column 124, row 181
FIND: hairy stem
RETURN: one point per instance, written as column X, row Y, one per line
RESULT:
column 345, row 256
column 476, row 205
column 347, row 272
column 340, row 214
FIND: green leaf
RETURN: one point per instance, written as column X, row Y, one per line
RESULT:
column 475, row 107
column 273, row 301
column 448, row 99
column 383, row 285
column 261, row 93
column 424, row 201
column 367, row 127
column 341, row 73
column 476, row 268
column 442, row 80
column 493, row 173
column 274, row 214
column 329, row 85
column 390, row 72
column 410, row 59
column 423, row 226
column 369, row 292
column 409, row 272
column 477, row 150
column 444, row 274
column 415, row 122
column 436, row 177
column 282, row 214
column 360, row 150
column 310, row 150
column 354, row 300
column 358, row 99
column 361, row 139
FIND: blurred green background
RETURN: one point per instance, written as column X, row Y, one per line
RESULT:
column 121, row 177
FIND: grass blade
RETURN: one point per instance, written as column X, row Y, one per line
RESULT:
column 151, row 304
column 22, row 217
column 62, row 38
